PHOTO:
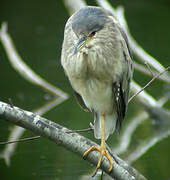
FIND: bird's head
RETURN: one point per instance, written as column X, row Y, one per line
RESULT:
column 86, row 24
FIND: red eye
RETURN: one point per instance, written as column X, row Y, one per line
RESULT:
column 92, row 34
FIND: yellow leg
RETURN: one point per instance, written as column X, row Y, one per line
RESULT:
column 101, row 149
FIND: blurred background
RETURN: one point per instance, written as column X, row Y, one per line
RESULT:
column 36, row 28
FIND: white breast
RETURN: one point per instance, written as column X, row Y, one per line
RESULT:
column 97, row 95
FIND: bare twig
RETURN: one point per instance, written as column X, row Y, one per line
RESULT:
column 20, row 140
column 80, row 130
column 155, row 77
column 22, row 68
column 143, row 70
column 149, row 68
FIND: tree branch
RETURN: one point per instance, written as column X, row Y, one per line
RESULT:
column 71, row 141
column 22, row 68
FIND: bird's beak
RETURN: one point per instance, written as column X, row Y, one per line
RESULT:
column 80, row 44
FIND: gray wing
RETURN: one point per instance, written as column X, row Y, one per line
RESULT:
column 126, row 41
column 119, row 101
column 128, row 73
column 121, row 88
column 80, row 101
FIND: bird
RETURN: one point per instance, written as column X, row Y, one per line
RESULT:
column 97, row 60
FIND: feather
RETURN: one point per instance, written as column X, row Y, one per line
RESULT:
column 109, row 125
column 120, row 104
column 81, row 102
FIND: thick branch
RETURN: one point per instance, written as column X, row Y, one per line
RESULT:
column 61, row 136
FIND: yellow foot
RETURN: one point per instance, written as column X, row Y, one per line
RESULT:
column 103, row 152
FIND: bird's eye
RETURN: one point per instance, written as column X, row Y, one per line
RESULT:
column 92, row 34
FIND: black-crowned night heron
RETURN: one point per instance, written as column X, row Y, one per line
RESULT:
column 97, row 61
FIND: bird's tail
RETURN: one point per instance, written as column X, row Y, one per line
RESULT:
column 109, row 124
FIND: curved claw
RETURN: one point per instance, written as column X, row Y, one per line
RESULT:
column 103, row 152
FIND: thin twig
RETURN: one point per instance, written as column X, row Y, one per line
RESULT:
column 155, row 77
column 80, row 130
column 144, row 70
column 149, row 68
column 20, row 140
